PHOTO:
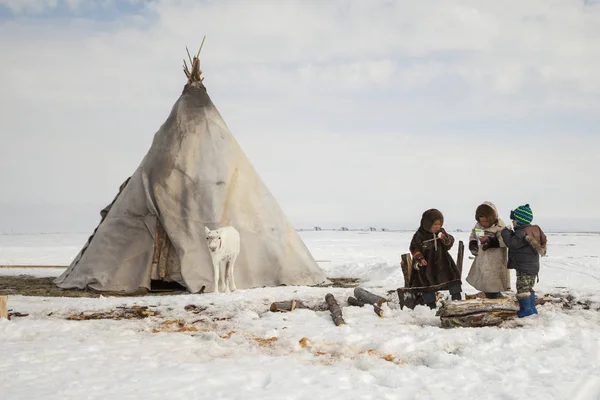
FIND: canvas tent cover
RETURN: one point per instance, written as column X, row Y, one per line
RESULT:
column 194, row 175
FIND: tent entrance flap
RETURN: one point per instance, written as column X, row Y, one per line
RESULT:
column 165, row 261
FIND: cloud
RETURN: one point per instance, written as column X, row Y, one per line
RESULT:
column 390, row 87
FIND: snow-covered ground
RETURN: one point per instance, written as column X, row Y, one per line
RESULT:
column 240, row 350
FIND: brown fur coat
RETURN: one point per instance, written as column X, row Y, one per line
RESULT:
column 440, row 268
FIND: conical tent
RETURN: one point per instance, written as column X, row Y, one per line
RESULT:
column 194, row 175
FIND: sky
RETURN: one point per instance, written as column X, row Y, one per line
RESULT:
column 354, row 113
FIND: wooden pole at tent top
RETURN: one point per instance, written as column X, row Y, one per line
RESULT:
column 193, row 72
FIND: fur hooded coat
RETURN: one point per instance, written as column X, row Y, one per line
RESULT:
column 489, row 271
column 440, row 268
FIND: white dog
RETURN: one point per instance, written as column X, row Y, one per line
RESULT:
column 224, row 246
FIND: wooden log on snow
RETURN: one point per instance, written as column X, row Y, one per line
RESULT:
column 355, row 302
column 477, row 312
column 283, row 306
column 336, row 311
column 291, row 305
column 367, row 297
column 286, row 306
column 352, row 301
column 466, row 307
column 478, row 320
column 4, row 307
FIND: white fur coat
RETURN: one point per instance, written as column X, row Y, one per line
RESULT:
column 488, row 272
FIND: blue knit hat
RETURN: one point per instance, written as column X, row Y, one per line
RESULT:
column 522, row 214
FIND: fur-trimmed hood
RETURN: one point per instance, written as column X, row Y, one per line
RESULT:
column 487, row 209
column 536, row 237
column 429, row 217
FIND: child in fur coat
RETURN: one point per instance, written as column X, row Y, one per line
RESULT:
column 525, row 246
column 488, row 272
column 432, row 264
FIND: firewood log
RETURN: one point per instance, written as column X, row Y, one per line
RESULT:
column 352, row 301
column 477, row 312
column 478, row 320
column 367, row 297
column 286, row 306
column 466, row 307
column 355, row 302
column 336, row 311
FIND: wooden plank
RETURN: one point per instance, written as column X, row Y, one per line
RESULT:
column 432, row 288
column 4, row 307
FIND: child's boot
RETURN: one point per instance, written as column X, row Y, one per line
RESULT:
column 526, row 307
column 532, row 300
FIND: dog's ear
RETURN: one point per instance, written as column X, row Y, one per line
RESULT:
column 206, row 230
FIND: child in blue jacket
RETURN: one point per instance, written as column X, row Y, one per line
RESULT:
column 525, row 246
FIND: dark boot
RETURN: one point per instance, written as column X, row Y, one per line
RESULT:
column 455, row 290
column 496, row 295
column 429, row 299
column 526, row 307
